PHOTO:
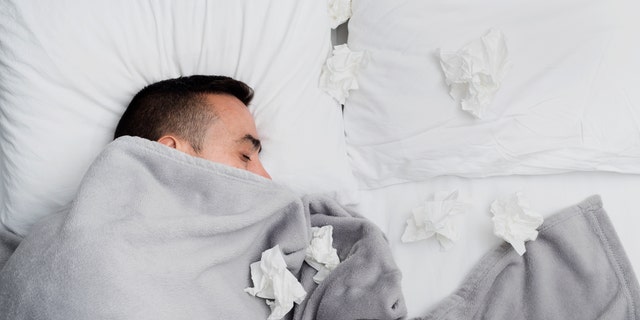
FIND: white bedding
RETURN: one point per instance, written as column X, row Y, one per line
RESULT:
column 69, row 68
column 430, row 274
column 566, row 117
column 569, row 102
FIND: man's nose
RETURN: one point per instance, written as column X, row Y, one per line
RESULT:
column 260, row 170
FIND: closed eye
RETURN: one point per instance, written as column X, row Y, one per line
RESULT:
column 246, row 157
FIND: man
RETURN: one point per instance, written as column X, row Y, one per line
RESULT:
column 204, row 116
column 170, row 233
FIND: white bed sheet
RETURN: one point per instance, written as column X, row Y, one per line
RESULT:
column 430, row 274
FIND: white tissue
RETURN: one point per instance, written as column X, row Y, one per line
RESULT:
column 514, row 221
column 340, row 71
column 474, row 73
column 339, row 12
column 321, row 254
column 274, row 282
column 434, row 219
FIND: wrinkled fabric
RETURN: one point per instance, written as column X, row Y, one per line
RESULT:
column 154, row 233
column 576, row 269
column 367, row 280
column 9, row 241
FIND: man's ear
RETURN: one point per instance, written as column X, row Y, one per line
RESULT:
column 177, row 143
column 169, row 141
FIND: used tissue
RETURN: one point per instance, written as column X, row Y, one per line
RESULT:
column 339, row 12
column 321, row 255
column 435, row 219
column 340, row 71
column 514, row 221
column 475, row 72
column 274, row 282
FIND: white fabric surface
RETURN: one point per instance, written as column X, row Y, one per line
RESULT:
column 568, row 103
column 69, row 68
column 430, row 274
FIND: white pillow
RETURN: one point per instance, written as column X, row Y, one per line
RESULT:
column 69, row 68
column 569, row 102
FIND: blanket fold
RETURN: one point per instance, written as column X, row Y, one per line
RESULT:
column 576, row 269
column 157, row 234
column 9, row 241
column 366, row 283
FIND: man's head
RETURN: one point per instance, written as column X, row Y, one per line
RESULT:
column 205, row 116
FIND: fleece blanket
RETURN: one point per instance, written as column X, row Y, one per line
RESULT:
column 576, row 269
column 158, row 234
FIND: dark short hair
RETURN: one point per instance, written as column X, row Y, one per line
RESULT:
column 178, row 106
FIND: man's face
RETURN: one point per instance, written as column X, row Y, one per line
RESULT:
column 232, row 138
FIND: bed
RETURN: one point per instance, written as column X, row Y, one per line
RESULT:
column 352, row 101
column 551, row 130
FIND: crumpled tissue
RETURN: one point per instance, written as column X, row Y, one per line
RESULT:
column 434, row 219
column 339, row 12
column 320, row 254
column 475, row 72
column 340, row 71
column 274, row 282
column 514, row 221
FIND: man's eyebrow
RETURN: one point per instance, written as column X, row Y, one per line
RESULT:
column 253, row 140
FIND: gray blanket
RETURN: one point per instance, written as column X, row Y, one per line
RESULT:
column 576, row 269
column 157, row 234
